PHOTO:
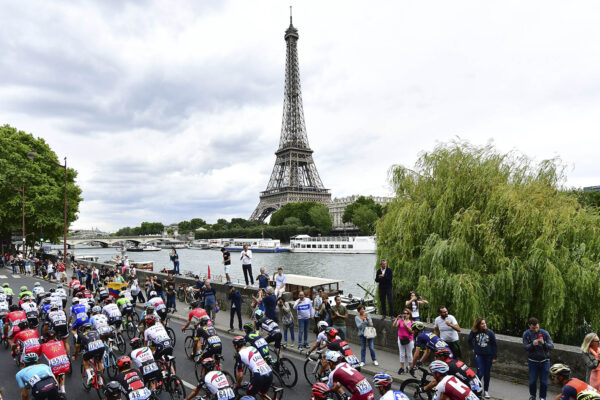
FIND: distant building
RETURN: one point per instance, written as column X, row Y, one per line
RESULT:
column 175, row 228
column 592, row 189
column 338, row 205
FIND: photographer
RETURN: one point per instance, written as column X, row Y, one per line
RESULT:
column 414, row 303
column 404, row 322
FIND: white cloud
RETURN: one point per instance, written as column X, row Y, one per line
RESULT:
column 170, row 112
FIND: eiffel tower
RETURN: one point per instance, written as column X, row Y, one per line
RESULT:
column 295, row 176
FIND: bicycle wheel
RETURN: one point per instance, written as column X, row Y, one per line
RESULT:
column 287, row 372
column 171, row 334
column 99, row 385
column 175, row 388
column 188, row 346
column 199, row 371
column 410, row 386
column 111, row 368
column 131, row 327
column 121, row 345
column 311, row 369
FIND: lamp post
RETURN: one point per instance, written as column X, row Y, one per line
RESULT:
column 65, row 213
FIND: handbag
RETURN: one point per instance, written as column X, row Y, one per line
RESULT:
column 404, row 341
column 370, row 332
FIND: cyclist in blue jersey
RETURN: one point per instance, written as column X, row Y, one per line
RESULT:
column 253, row 337
column 37, row 377
column 78, row 314
column 426, row 342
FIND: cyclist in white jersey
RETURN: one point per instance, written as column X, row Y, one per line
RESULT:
column 217, row 385
column 144, row 361
column 262, row 374
column 100, row 323
column 155, row 334
column 159, row 305
column 113, row 313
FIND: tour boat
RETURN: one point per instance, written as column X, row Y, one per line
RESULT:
column 199, row 245
column 256, row 245
column 333, row 244
column 145, row 247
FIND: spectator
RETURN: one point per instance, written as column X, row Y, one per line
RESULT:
column 210, row 300
column 538, row 344
column 414, row 303
column 483, row 342
column 383, row 276
column 226, row 263
column 118, row 277
column 589, row 347
column 28, row 266
column 158, row 287
column 263, row 279
column 303, row 307
column 50, row 271
column 270, row 303
column 198, row 290
column 175, row 258
column 280, row 280
column 170, row 287
column 447, row 328
column 317, row 301
column 246, row 258
column 363, row 320
column 287, row 320
column 96, row 277
column 136, row 292
column 339, row 315
column 325, row 309
column 148, row 286
column 405, row 339
column 62, row 272
column 257, row 302
column 236, row 307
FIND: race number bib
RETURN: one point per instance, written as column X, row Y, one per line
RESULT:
column 363, row 387
column 214, row 340
column 225, row 394
column 60, row 360
column 31, row 342
column 81, row 315
column 140, row 394
column 263, row 370
column 260, row 343
column 146, row 369
column 352, row 360
column 95, row 345
column 33, row 380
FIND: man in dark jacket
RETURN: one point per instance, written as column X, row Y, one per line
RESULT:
column 383, row 276
column 538, row 344
column 236, row 306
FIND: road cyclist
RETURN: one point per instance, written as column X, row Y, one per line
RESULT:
column 8, row 292
column 38, row 378
column 113, row 313
column 131, row 380
column 254, row 338
column 216, row 385
column 335, row 343
column 56, row 321
column 321, row 344
column 570, row 387
column 14, row 317
column 425, row 343
column 262, row 374
column 56, row 356
column 344, row 376
column 194, row 317
column 143, row 359
column 270, row 328
column 383, row 384
column 159, row 305
column 90, row 342
column 449, row 387
column 26, row 341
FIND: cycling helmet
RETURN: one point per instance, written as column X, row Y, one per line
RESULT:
column 46, row 301
column 108, row 301
column 123, row 362
column 209, row 364
column 319, row 390
column 150, row 310
column 75, row 300
column 36, row 284
column 54, row 307
column 382, row 380
column 30, row 358
column 86, row 326
column 443, row 352
column 52, row 290
column 122, row 294
column 204, row 320
column 258, row 314
column 23, row 325
column 59, row 286
column 5, row 285
column 80, row 295
column 50, row 334
column 321, row 325
column 418, row 326
column 333, row 356
column 194, row 304
column 26, row 298
column 113, row 389
column 332, row 333
column 238, row 341
column 560, row 370
column 23, row 289
column 439, row 366
column 13, row 307
column 136, row 343
column 588, row 395
column 96, row 310
column 1, row 290
column 153, row 294
column 150, row 320
column 248, row 327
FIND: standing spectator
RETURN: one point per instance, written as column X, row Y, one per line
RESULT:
column 158, row 287
column 483, row 342
column 246, row 258
column 88, row 278
column 317, row 302
column 383, row 276
column 263, row 279
column 125, row 265
column 226, row 263
column 236, row 306
column 405, row 338
column 447, row 328
column 589, row 347
column 175, row 259
column 50, row 271
column 363, row 320
column 538, row 344
column 270, row 303
column 257, row 302
column 96, row 277
column 63, row 272
column 303, row 307
column 28, row 263
column 170, row 287
column 136, row 291
column 198, row 290
column 210, row 300
column 414, row 303
column 287, row 320
column 339, row 315
column 148, row 286
column 325, row 309
column 280, row 280
column 118, row 277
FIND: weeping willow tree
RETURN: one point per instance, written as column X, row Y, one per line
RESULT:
column 492, row 235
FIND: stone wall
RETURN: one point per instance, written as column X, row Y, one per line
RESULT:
column 512, row 358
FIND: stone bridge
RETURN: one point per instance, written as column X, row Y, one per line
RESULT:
column 106, row 241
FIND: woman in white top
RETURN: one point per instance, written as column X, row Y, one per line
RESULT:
column 413, row 305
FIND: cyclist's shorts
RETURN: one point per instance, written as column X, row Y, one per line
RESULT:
column 162, row 314
column 115, row 321
column 163, row 349
column 95, row 354
column 45, row 389
column 78, row 323
column 260, row 384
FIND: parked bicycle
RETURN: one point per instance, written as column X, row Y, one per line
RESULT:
column 185, row 293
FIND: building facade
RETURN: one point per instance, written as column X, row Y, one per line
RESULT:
column 338, row 205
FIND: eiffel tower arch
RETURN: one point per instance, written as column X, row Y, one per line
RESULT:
column 295, row 176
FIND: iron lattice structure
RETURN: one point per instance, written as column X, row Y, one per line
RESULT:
column 295, row 176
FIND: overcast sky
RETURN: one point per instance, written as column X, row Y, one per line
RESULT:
column 171, row 110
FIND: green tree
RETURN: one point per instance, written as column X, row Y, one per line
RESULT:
column 299, row 210
column 491, row 234
column 292, row 221
column 43, row 181
column 170, row 231
column 364, row 217
column 320, row 218
column 361, row 201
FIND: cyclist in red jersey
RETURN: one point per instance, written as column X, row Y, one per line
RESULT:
column 343, row 375
column 28, row 340
column 449, row 387
column 11, row 327
column 56, row 355
column 74, row 285
column 196, row 314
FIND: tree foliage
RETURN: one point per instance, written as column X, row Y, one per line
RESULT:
column 310, row 213
column 491, row 235
column 321, row 219
column 191, row 225
column 363, row 213
column 146, row 228
column 43, row 181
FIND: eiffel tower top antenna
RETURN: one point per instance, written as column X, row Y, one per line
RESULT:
column 290, row 15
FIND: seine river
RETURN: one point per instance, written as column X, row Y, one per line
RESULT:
column 351, row 268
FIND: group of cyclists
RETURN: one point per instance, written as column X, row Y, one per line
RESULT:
column 37, row 325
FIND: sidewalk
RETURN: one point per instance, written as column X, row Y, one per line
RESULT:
column 388, row 360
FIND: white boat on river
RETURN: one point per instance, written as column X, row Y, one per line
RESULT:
column 333, row 244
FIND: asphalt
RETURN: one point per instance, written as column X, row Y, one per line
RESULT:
column 388, row 360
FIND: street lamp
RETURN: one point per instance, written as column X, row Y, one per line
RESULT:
column 65, row 213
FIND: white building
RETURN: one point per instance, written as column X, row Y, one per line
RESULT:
column 338, row 205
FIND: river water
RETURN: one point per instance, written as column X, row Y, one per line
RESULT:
column 353, row 269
